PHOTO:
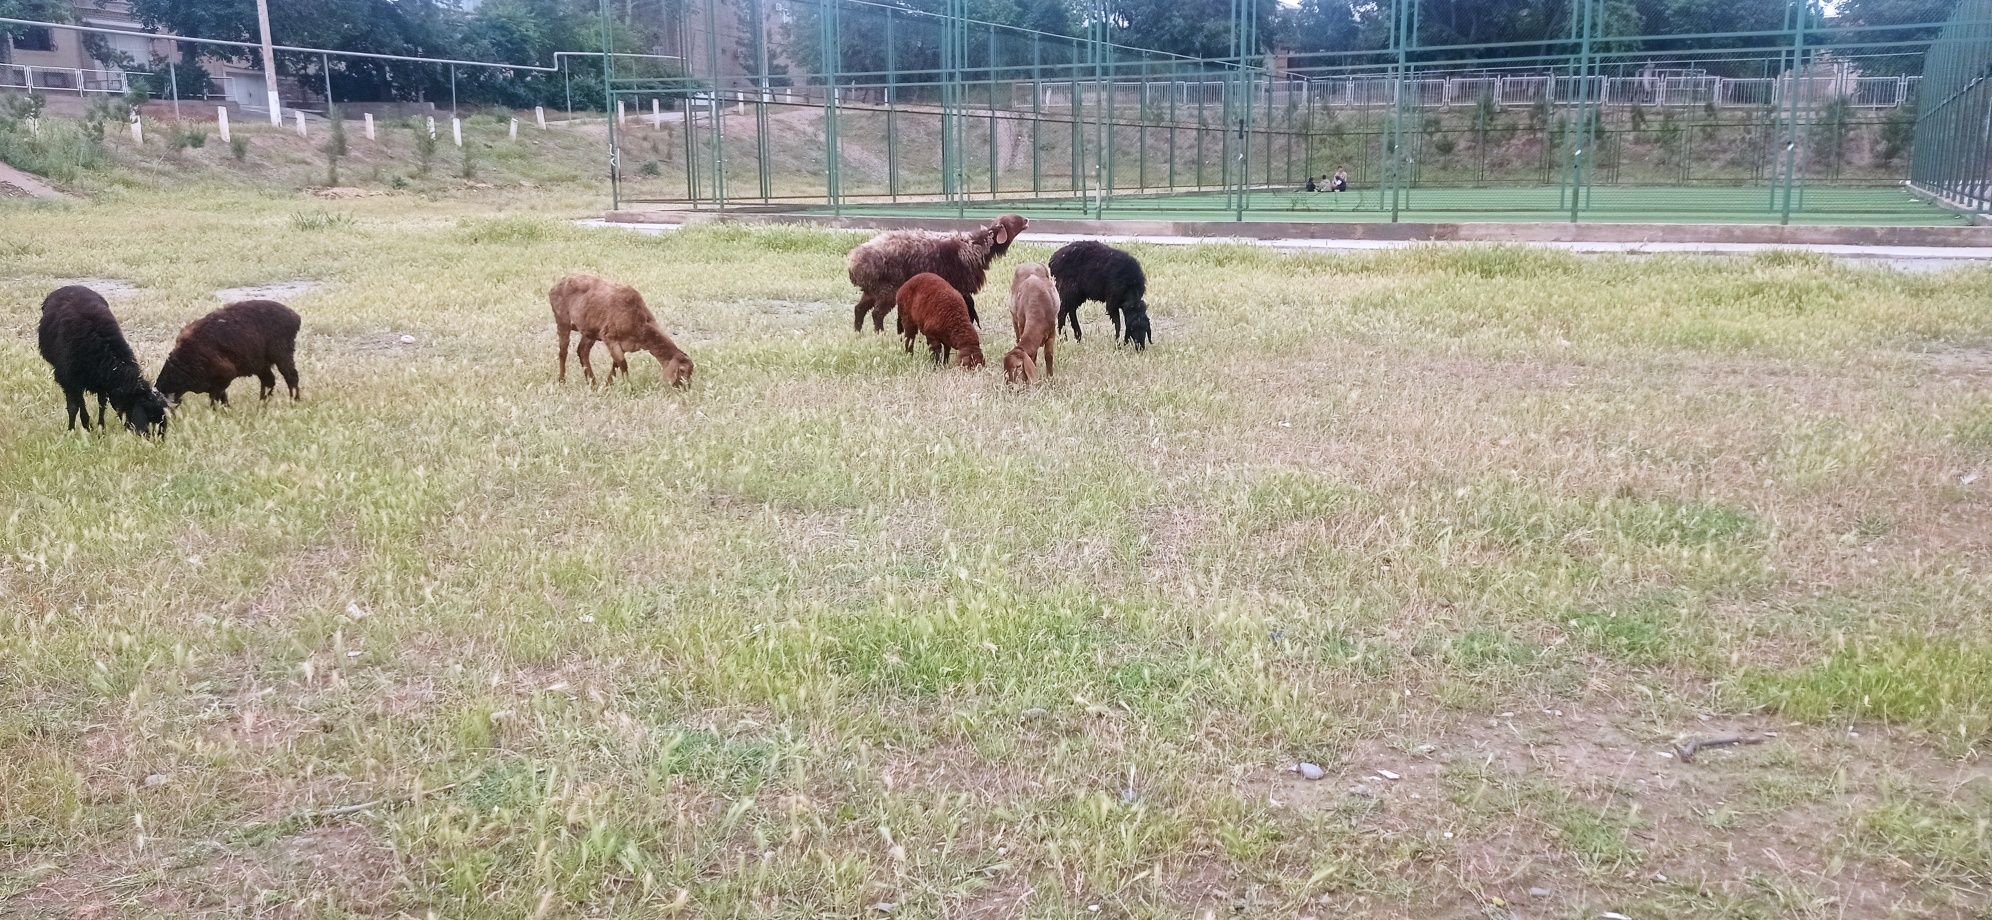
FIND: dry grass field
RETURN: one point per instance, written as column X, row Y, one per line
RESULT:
column 1481, row 533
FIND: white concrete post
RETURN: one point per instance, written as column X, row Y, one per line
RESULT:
column 513, row 132
column 539, row 116
column 368, row 119
column 432, row 127
column 34, row 127
column 622, row 116
column 221, row 121
column 656, row 115
column 456, row 131
column 300, row 121
column 137, row 129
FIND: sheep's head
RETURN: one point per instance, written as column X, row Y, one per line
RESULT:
column 1138, row 332
column 1018, row 367
column 145, row 413
column 969, row 357
column 1002, row 233
column 678, row 370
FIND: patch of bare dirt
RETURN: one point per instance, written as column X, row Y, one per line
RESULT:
column 111, row 288
column 1960, row 360
column 275, row 290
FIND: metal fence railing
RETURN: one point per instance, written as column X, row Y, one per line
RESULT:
column 1953, row 148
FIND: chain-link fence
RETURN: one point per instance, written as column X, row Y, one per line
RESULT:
column 1953, row 153
column 856, row 105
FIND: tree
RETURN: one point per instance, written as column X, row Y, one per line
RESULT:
column 1906, row 58
column 404, row 27
column 1192, row 28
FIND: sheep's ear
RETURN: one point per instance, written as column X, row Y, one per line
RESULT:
column 1002, row 234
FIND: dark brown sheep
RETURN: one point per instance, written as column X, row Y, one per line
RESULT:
column 613, row 314
column 929, row 305
column 81, row 341
column 882, row 264
column 1034, row 314
column 243, row 339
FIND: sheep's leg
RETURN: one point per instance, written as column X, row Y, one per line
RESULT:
column 1068, row 312
column 219, row 397
column 565, row 332
column 864, row 307
column 287, row 366
column 1114, row 316
column 581, row 352
column 616, row 362
column 1047, row 353
column 77, row 408
column 910, row 335
column 880, row 307
column 100, row 410
column 268, row 379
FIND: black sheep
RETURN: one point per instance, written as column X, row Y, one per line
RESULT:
column 81, row 340
column 244, row 339
column 1090, row 270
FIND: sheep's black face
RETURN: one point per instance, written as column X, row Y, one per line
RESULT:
column 1138, row 333
column 147, row 415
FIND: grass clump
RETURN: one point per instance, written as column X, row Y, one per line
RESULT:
column 317, row 221
column 1939, row 685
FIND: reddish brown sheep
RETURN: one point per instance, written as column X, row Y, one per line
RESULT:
column 614, row 314
column 929, row 305
column 881, row 265
column 244, row 339
column 1034, row 314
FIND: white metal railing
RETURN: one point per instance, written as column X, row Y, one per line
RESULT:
column 1506, row 91
column 77, row 80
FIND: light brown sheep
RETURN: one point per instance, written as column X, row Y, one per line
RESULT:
column 1034, row 314
column 614, row 314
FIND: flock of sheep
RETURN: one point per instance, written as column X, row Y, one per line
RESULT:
column 932, row 278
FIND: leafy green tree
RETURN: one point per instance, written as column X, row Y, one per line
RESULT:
column 1906, row 58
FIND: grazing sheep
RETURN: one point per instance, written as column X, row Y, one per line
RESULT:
column 882, row 264
column 613, row 314
column 243, row 339
column 929, row 304
column 1090, row 270
column 1033, row 312
column 81, row 340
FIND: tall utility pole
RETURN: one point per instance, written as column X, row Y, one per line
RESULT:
column 269, row 62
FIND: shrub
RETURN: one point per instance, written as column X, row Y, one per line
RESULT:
column 238, row 146
column 188, row 137
column 335, row 143
column 425, row 146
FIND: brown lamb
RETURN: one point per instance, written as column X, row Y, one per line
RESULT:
column 882, row 264
column 613, row 314
column 243, row 339
column 929, row 305
column 1034, row 314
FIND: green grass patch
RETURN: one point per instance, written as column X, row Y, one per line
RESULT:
column 1939, row 685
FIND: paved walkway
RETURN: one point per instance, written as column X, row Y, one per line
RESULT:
column 30, row 184
column 1911, row 258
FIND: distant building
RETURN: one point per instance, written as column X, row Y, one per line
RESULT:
column 55, row 60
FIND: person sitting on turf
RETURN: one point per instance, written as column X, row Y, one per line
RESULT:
column 1341, row 181
column 1311, row 186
